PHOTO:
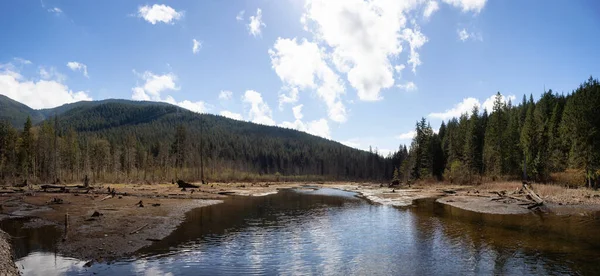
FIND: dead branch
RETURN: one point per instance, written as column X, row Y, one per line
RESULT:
column 139, row 229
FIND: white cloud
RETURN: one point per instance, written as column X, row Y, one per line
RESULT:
column 407, row 135
column 159, row 13
column 363, row 36
column 399, row 68
column 76, row 66
column 416, row 40
column 317, row 127
column 365, row 144
column 432, row 6
column 409, row 86
column 302, row 66
column 240, row 16
column 51, row 74
column 488, row 104
column 461, row 108
column 291, row 97
column 47, row 93
column 351, row 143
column 467, row 5
column 256, row 23
column 199, row 106
column 22, row 61
column 55, row 10
column 298, row 112
column 225, row 95
column 465, row 35
column 259, row 112
column 154, row 85
column 231, row 115
column 197, row 46
column 466, row 106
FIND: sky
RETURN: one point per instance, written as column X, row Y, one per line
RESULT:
column 354, row 71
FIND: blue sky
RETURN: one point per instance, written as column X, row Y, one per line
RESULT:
column 353, row 71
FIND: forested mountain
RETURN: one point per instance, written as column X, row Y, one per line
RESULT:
column 16, row 113
column 119, row 140
column 555, row 139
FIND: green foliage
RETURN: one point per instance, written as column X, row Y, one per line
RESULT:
column 543, row 138
column 117, row 140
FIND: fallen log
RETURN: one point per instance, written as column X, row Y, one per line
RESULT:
column 106, row 197
column 139, row 229
column 183, row 184
column 532, row 194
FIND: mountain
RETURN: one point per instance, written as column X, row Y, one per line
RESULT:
column 16, row 113
column 113, row 138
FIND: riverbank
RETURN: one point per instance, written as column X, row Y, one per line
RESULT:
column 103, row 226
column 7, row 264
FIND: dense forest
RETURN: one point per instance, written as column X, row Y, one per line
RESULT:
column 556, row 139
column 125, row 141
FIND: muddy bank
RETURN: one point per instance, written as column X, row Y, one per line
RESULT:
column 484, row 205
column 7, row 264
column 103, row 227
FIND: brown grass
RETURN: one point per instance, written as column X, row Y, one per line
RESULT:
column 548, row 192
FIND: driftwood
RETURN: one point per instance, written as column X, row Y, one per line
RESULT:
column 532, row 194
column 138, row 230
column 106, row 197
column 183, row 184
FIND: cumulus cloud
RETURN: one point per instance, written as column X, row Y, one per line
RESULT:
column 463, row 107
column 231, row 115
column 409, row 86
column 256, row 24
column 197, row 45
column 301, row 66
column 365, row 143
column 55, row 10
column 240, row 16
column 154, row 85
column 225, row 95
column 159, row 13
column 363, row 37
column 488, row 104
column 465, row 35
column 50, row 73
column 407, row 135
column 76, row 66
column 466, row 106
column 467, row 5
column 317, row 127
column 259, row 111
column 415, row 40
column 22, row 61
column 432, row 6
column 46, row 93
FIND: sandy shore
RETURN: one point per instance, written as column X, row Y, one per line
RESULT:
column 123, row 227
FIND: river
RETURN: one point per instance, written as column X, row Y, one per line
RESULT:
column 332, row 232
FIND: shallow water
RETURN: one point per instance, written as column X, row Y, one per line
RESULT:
column 331, row 232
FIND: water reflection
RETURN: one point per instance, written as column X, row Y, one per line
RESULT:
column 334, row 233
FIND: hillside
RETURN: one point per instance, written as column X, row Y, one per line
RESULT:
column 16, row 113
column 127, row 140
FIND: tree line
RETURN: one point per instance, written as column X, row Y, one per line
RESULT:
column 122, row 142
column 556, row 139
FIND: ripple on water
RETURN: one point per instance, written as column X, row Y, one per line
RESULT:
column 330, row 232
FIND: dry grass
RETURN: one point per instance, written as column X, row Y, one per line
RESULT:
column 548, row 192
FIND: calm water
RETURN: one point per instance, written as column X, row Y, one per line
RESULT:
column 330, row 232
